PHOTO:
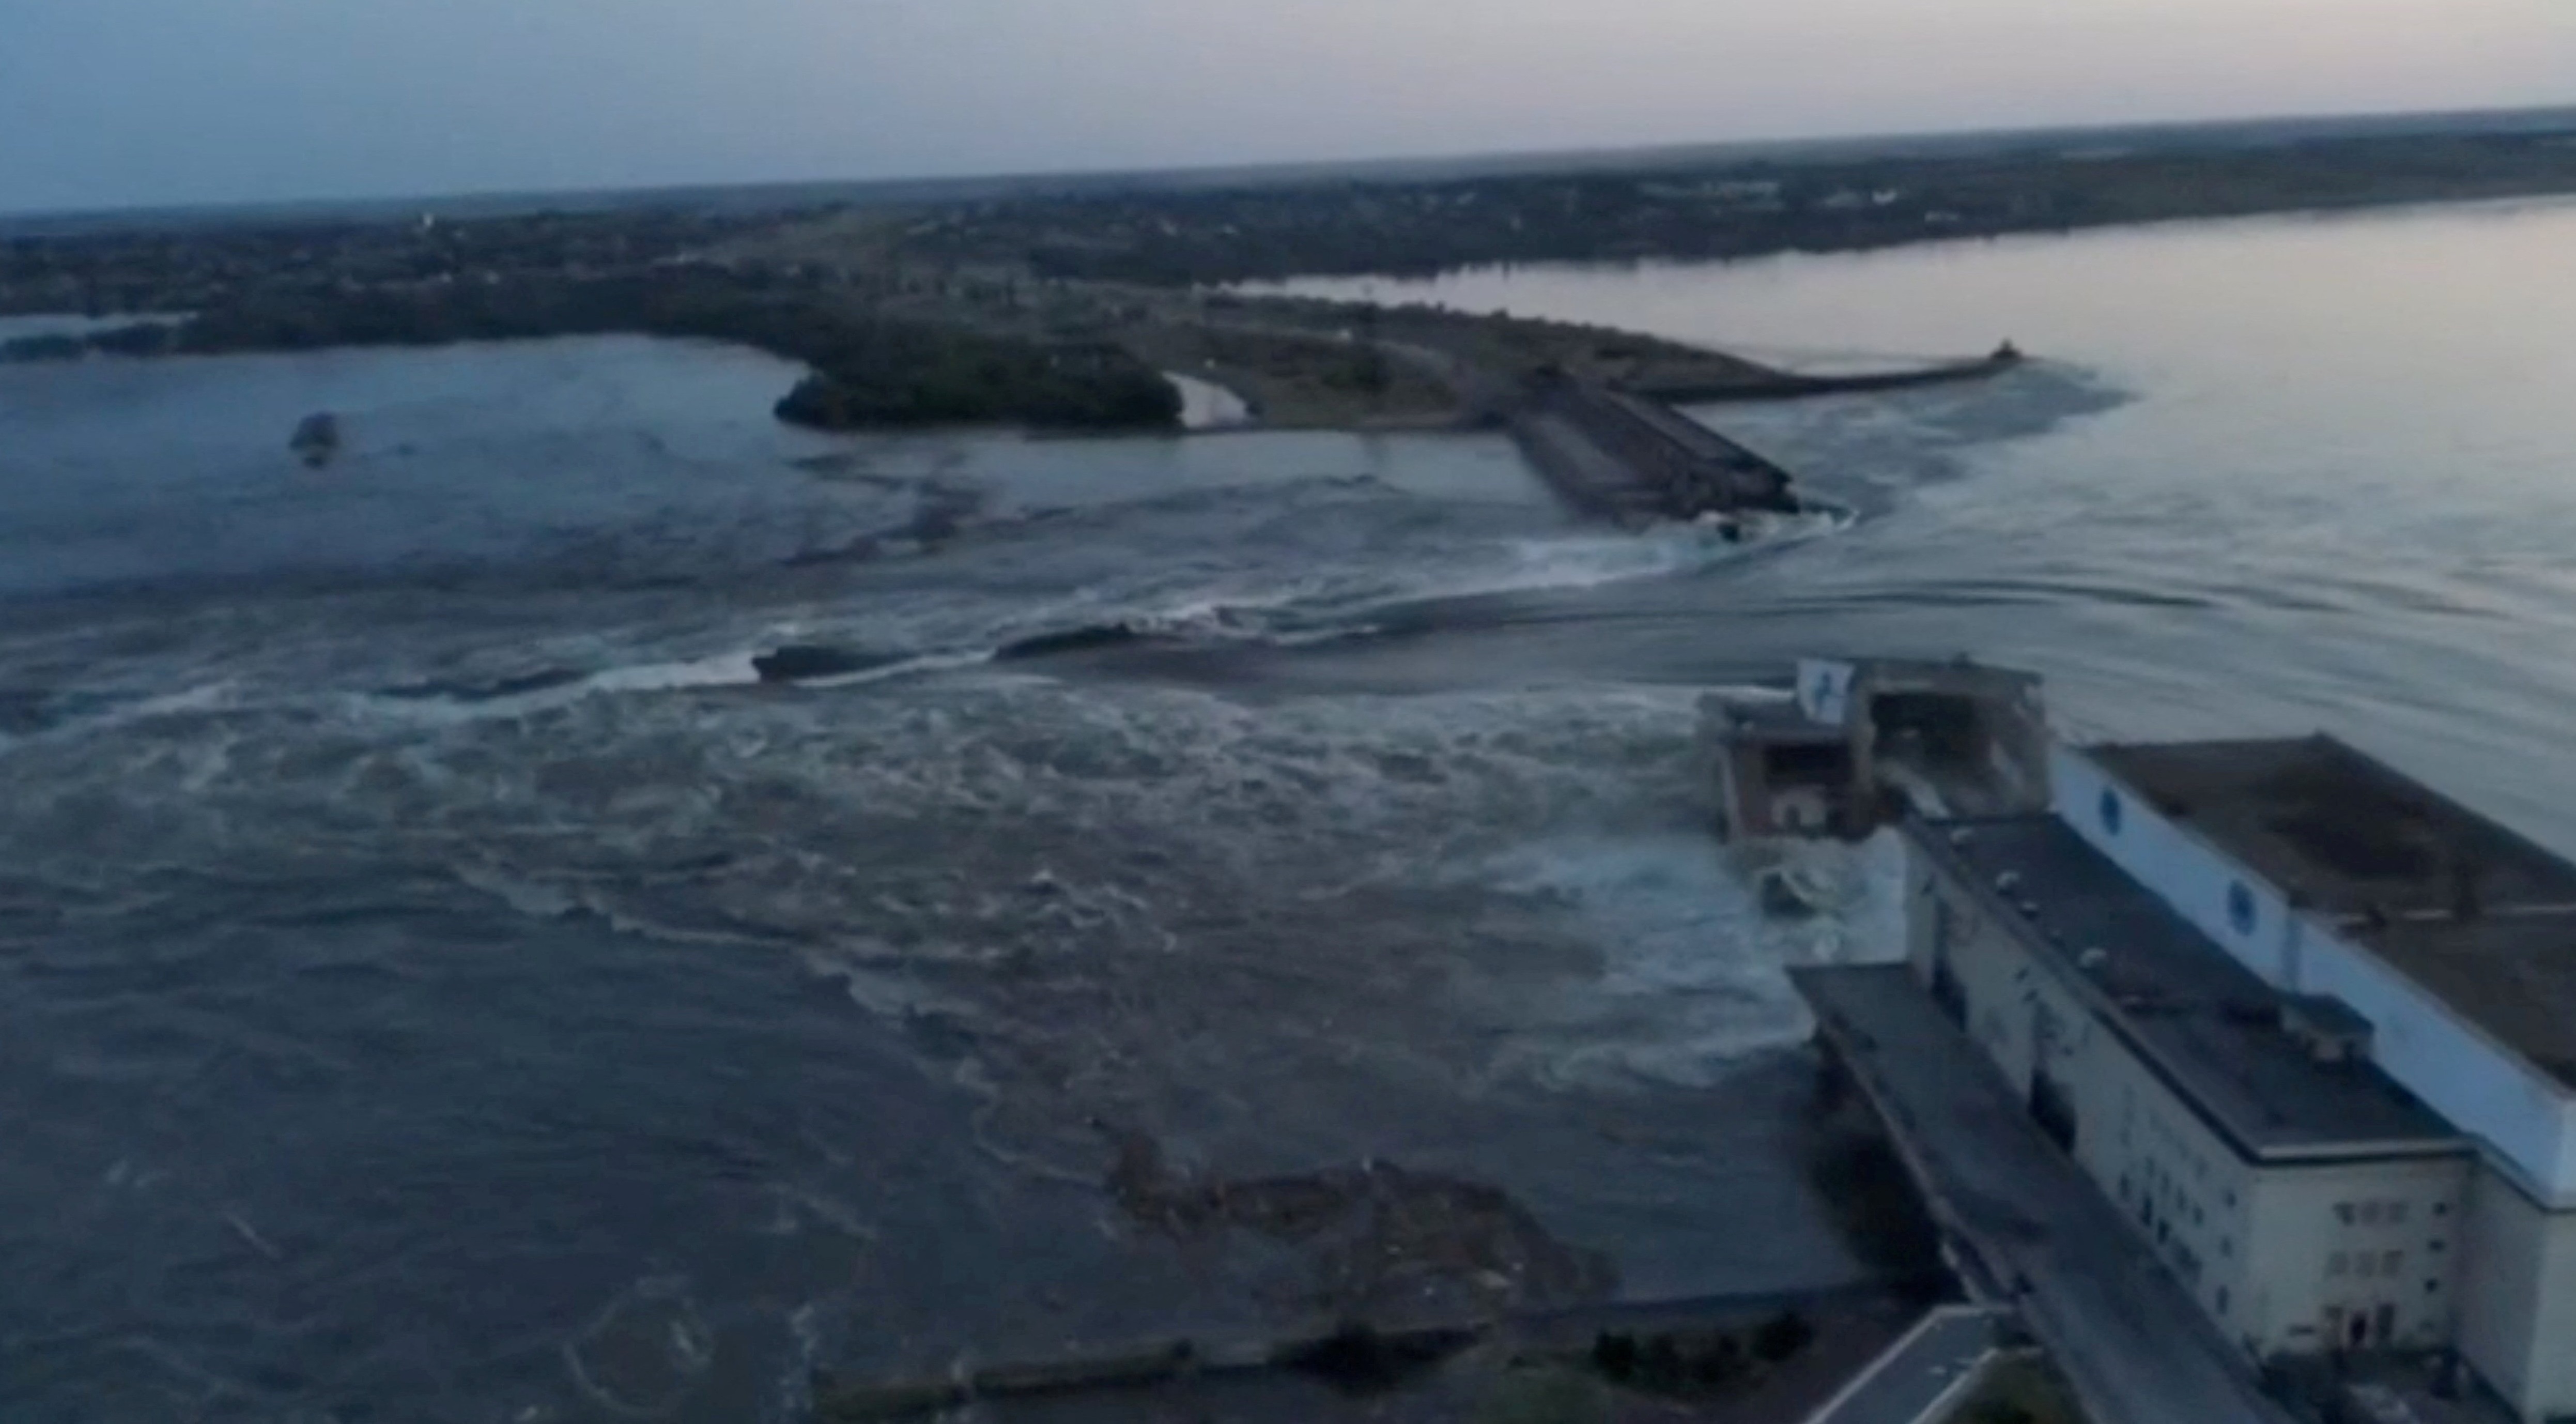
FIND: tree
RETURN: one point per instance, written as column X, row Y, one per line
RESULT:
column 1782, row 1336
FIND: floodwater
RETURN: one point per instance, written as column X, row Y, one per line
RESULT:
column 438, row 982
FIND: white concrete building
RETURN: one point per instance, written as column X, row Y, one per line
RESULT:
column 2311, row 1024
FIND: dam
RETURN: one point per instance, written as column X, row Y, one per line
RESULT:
column 1629, row 459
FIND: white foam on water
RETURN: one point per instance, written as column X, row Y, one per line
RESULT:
column 1583, row 561
column 1692, row 976
column 722, row 670
column 204, row 697
column 909, row 667
column 526, row 897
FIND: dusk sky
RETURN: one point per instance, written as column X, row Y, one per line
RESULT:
column 123, row 102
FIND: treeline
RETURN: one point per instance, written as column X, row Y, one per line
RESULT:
column 868, row 372
column 1212, row 237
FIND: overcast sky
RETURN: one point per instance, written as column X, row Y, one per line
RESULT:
column 122, row 102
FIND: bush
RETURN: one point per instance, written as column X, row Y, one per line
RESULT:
column 1720, row 1360
column 1615, row 1356
column 1659, row 1365
column 1782, row 1336
column 1544, row 1397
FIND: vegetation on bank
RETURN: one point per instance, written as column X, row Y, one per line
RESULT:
column 868, row 371
column 1722, row 209
column 1679, row 1371
column 2026, row 1389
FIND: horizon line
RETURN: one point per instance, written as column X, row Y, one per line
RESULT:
column 1388, row 167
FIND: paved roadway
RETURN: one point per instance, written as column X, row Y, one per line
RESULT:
column 2137, row 1350
column 1907, row 1383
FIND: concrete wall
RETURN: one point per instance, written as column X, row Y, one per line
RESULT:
column 2518, row 1302
column 2481, row 1086
column 2477, row 1083
column 2329, row 1244
column 2255, row 1246
column 2185, row 1190
column 1743, row 796
column 2180, row 1185
column 2201, row 885
column 2009, row 1000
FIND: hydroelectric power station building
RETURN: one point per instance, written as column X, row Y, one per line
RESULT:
column 2308, row 1023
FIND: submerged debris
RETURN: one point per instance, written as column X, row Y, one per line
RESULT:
column 1377, row 1238
column 317, row 441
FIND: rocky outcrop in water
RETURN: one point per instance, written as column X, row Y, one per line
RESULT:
column 798, row 662
column 1072, row 640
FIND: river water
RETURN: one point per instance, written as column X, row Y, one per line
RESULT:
column 437, row 982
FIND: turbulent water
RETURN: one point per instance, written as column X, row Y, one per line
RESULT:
column 437, row 981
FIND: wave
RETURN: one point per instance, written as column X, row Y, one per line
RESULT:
column 492, row 690
column 546, row 689
column 1302, row 608
column 1309, row 612
column 1091, row 638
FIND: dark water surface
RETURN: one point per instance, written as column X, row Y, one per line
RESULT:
column 437, row 982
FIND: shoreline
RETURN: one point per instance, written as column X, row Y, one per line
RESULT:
column 1072, row 312
column 1714, row 208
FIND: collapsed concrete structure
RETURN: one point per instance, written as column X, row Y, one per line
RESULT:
column 1862, row 743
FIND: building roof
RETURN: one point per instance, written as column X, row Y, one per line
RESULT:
column 2211, row 1028
column 2472, row 912
column 2344, row 832
column 2512, row 975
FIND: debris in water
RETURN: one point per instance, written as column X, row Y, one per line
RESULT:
column 317, row 440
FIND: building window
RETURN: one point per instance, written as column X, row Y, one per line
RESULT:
column 2240, row 908
column 2226, row 1246
column 2432, row 1287
column 2370, row 1213
column 2390, row 1262
column 2343, row 1212
column 2397, row 1213
column 2437, row 1246
column 2337, row 1264
column 2364, row 1264
column 2111, row 811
